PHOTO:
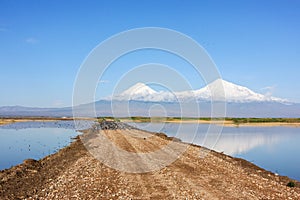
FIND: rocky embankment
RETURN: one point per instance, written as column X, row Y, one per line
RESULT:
column 73, row 173
column 112, row 125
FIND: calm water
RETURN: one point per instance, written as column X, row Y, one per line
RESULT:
column 20, row 141
column 273, row 148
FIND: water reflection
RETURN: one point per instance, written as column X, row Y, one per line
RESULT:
column 23, row 140
column 272, row 148
column 66, row 124
column 238, row 143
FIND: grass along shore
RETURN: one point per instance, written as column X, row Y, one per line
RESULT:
column 9, row 120
column 228, row 121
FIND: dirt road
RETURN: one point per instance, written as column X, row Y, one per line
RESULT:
column 73, row 173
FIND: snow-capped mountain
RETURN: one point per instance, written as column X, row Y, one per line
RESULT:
column 139, row 91
column 142, row 92
column 218, row 90
column 243, row 103
column 233, row 93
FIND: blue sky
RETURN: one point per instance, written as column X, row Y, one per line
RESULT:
column 43, row 43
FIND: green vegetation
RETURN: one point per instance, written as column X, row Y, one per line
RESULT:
column 234, row 120
column 291, row 184
column 263, row 120
column 157, row 119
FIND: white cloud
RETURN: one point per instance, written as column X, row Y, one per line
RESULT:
column 31, row 40
column 103, row 81
column 268, row 90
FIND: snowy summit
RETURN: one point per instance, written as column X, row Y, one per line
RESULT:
column 139, row 91
column 218, row 90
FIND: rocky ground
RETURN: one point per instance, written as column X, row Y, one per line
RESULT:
column 73, row 173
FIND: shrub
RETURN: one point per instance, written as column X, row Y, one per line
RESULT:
column 291, row 184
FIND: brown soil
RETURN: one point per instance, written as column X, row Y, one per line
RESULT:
column 73, row 173
column 10, row 120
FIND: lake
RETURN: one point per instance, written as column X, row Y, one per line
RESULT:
column 23, row 140
column 273, row 148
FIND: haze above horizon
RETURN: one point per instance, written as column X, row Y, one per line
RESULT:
column 255, row 44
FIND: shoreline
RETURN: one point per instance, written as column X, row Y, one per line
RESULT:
column 220, row 123
column 226, row 122
column 34, row 178
column 10, row 120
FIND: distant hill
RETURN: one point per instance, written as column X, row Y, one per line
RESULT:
column 141, row 108
column 141, row 100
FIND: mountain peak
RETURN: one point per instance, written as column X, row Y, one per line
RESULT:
column 234, row 93
column 218, row 90
column 139, row 88
column 139, row 91
column 223, row 83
